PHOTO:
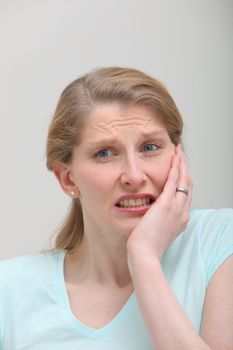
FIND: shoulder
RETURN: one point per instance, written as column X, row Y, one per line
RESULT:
column 214, row 222
column 26, row 285
column 17, row 270
column 214, row 227
column 210, row 216
column 216, row 216
column 210, row 223
column 215, row 237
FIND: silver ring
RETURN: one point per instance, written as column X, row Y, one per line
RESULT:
column 183, row 190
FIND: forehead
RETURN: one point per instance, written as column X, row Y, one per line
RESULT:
column 111, row 119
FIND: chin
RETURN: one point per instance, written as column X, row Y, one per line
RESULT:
column 128, row 227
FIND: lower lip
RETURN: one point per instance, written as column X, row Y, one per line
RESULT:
column 134, row 211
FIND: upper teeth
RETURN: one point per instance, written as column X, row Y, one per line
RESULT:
column 134, row 202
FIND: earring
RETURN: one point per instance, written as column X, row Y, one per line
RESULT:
column 74, row 193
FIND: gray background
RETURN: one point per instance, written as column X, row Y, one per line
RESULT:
column 46, row 44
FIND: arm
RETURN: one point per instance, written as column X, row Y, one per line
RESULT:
column 166, row 321
column 217, row 321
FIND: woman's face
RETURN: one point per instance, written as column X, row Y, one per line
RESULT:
column 120, row 167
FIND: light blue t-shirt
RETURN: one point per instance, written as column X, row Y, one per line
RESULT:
column 34, row 305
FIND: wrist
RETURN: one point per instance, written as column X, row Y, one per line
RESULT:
column 138, row 252
column 141, row 260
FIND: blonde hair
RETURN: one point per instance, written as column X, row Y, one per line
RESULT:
column 103, row 85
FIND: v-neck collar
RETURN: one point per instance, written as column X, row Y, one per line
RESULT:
column 69, row 317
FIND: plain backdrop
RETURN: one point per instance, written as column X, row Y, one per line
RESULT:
column 46, row 44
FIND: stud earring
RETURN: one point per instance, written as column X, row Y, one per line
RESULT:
column 72, row 193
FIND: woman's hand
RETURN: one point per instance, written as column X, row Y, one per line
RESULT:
column 167, row 217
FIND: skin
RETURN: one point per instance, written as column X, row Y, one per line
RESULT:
column 130, row 247
column 127, row 170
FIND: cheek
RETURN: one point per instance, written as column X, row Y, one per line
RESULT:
column 94, row 183
column 162, row 167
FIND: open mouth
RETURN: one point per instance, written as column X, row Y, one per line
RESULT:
column 135, row 203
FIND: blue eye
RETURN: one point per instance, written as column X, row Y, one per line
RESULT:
column 104, row 153
column 150, row 147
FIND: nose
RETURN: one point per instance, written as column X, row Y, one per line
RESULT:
column 133, row 175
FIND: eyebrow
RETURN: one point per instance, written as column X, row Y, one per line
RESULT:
column 144, row 134
column 154, row 133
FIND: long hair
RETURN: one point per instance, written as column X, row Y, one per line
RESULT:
column 125, row 86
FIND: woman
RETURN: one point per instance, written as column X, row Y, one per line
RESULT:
column 132, row 268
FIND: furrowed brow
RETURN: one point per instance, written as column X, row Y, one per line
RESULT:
column 155, row 133
column 106, row 140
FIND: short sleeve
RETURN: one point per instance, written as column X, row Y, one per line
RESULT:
column 216, row 240
column 5, row 277
column 9, row 272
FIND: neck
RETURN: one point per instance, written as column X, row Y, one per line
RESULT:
column 99, row 260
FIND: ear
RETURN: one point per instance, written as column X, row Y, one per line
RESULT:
column 63, row 174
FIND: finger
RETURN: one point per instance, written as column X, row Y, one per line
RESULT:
column 187, row 206
column 189, row 199
column 183, row 188
column 184, row 172
column 170, row 186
